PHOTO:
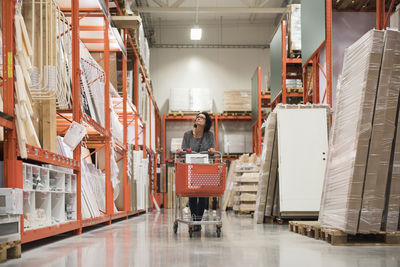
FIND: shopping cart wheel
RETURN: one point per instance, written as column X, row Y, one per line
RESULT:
column 190, row 231
column 218, row 231
column 175, row 228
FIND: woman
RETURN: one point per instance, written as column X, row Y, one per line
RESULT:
column 199, row 139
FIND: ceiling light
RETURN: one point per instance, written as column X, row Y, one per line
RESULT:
column 195, row 34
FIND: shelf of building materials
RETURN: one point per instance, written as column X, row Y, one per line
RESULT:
column 53, row 200
column 44, row 156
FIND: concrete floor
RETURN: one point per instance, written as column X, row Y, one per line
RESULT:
column 148, row 240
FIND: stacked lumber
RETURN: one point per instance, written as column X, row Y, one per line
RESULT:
column 362, row 182
column 171, row 196
column 237, row 100
column 245, row 183
column 24, row 112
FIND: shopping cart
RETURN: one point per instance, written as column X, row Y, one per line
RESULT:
column 199, row 180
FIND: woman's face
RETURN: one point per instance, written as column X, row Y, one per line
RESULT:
column 200, row 120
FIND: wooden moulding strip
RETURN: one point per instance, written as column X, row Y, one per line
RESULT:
column 36, row 234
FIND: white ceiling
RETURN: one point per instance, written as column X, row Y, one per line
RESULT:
column 165, row 23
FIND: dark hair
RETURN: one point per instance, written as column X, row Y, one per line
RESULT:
column 208, row 125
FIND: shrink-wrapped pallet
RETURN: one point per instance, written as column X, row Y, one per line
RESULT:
column 383, row 130
column 179, row 99
column 294, row 27
column 351, row 132
column 237, row 100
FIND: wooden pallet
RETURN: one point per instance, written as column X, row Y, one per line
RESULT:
column 339, row 238
column 265, row 92
column 294, row 89
column 185, row 113
column 236, row 113
column 10, row 250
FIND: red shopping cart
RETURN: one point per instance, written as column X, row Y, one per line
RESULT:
column 199, row 180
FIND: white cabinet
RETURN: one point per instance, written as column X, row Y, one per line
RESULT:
column 49, row 196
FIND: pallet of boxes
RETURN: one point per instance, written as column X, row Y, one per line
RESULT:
column 245, row 184
column 361, row 196
column 11, row 205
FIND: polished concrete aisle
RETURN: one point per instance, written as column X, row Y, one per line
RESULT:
column 149, row 240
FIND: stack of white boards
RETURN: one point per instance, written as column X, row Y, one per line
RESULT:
column 293, row 162
column 362, row 183
column 190, row 100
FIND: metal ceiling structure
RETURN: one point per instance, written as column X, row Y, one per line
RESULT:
column 243, row 12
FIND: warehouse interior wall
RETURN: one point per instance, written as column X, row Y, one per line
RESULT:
column 347, row 27
column 217, row 69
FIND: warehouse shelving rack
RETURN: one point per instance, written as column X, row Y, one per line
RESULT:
column 314, row 59
column 98, row 136
column 287, row 63
column 216, row 118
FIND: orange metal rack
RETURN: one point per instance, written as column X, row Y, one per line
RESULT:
column 98, row 136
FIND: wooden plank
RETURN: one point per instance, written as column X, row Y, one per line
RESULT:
column 266, row 168
column 48, row 125
column 229, row 186
column 272, row 181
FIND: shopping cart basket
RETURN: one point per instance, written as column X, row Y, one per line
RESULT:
column 199, row 180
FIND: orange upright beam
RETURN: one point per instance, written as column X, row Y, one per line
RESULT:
column 216, row 131
column 284, row 93
column 259, row 110
column 12, row 170
column 76, row 98
column 164, row 138
column 380, row 14
column 329, row 49
column 107, row 119
column 125, row 129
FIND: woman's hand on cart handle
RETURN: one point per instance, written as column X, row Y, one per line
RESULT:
column 179, row 151
column 211, row 150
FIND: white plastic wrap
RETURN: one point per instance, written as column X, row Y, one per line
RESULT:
column 351, row 132
column 383, row 131
column 294, row 27
column 200, row 99
column 179, row 99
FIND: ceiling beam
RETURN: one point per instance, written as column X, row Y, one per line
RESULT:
column 245, row 46
column 219, row 10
